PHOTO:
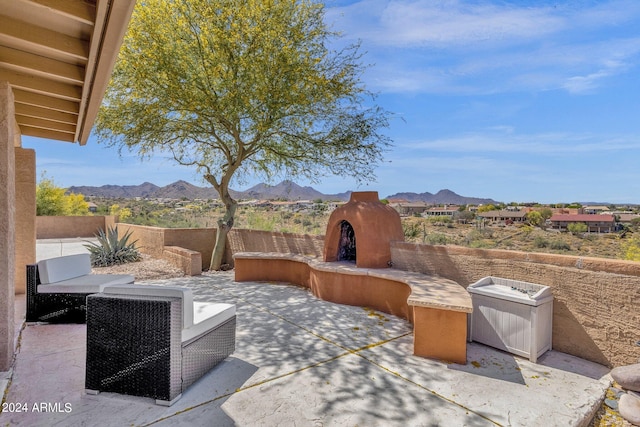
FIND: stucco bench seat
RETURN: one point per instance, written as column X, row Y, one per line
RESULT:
column 154, row 341
column 437, row 307
column 57, row 288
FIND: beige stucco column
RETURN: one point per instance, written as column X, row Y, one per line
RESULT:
column 25, row 207
column 7, row 225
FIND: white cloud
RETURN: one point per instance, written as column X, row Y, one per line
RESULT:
column 546, row 144
column 463, row 47
column 444, row 23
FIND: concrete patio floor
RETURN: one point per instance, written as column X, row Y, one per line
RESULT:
column 306, row 362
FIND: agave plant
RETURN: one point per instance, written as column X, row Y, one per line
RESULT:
column 110, row 250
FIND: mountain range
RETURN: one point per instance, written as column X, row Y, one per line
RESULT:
column 286, row 190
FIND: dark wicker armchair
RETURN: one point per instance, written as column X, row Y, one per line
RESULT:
column 149, row 346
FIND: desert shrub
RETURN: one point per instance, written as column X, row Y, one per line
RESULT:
column 479, row 234
column 411, row 230
column 560, row 245
column 631, row 249
column 540, row 242
column 436, row 239
column 482, row 244
column 577, row 228
column 110, row 250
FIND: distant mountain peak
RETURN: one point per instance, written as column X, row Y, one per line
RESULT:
column 287, row 190
column 442, row 197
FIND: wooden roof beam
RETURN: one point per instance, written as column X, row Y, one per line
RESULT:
column 33, row 111
column 38, row 122
column 48, row 134
column 35, row 99
column 80, row 10
column 25, row 36
column 41, row 85
column 38, row 65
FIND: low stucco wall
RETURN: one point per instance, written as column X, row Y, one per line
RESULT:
column 242, row 240
column 176, row 245
column 596, row 308
column 59, row 227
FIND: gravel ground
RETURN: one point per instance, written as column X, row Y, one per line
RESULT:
column 147, row 269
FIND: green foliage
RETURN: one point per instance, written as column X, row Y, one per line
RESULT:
column 546, row 213
column 111, row 250
column 436, row 239
column 51, row 200
column 540, row 242
column 577, row 228
column 242, row 87
column 631, row 248
column 560, row 245
column 486, row 208
column 440, row 220
column 411, row 230
column 535, row 219
column 122, row 213
column 466, row 216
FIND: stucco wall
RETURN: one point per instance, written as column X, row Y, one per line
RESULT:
column 596, row 313
column 150, row 240
column 241, row 240
column 59, row 227
column 25, row 204
column 7, row 225
column 196, row 239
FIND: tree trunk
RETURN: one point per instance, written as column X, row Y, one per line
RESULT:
column 225, row 224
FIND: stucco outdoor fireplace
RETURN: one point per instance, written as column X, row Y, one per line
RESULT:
column 361, row 230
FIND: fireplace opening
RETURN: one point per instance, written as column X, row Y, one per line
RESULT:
column 347, row 247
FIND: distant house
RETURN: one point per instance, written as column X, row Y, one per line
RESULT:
column 410, row 208
column 603, row 223
column 93, row 208
column 446, row 211
column 504, row 216
column 595, row 209
column 625, row 217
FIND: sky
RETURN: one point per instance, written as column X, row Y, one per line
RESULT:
column 517, row 101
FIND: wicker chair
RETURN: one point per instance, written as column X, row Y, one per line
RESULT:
column 154, row 341
column 57, row 288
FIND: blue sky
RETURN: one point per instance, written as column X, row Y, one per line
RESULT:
column 512, row 100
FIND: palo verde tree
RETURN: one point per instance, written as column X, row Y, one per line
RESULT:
column 237, row 88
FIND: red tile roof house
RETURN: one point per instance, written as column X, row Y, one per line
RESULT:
column 595, row 223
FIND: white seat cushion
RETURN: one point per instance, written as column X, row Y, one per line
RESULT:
column 206, row 316
column 159, row 291
column 87, row 284
column 65, row 267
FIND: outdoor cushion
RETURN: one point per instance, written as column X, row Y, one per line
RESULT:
column 87, row 284
column 65, row 267
column 206, row 316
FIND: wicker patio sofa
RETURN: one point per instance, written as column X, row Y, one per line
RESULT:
column 154, row 341
column 57, row 288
